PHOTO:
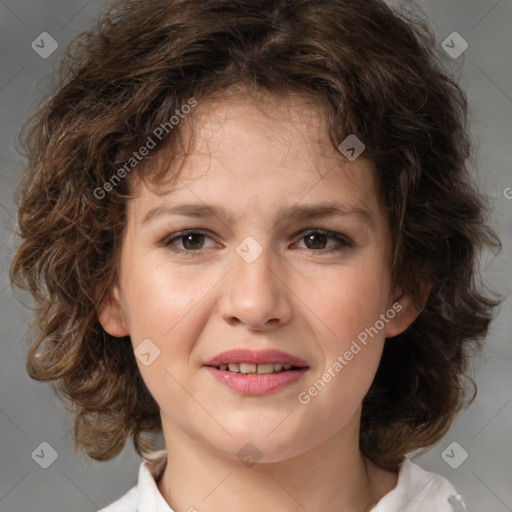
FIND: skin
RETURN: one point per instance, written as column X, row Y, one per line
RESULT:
column 254, row 158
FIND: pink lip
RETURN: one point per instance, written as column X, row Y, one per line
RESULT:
column 242, row 355
column 255, row 384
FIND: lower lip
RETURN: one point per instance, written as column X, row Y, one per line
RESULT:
column 256, row 384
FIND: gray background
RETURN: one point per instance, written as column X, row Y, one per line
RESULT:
column 30, row 413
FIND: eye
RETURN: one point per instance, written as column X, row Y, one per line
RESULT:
column 192, row 241
column 318, row 237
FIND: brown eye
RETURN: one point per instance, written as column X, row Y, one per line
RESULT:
column 191, row 241
column 316, row 240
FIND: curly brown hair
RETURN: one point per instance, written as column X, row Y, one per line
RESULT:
column 379, row 75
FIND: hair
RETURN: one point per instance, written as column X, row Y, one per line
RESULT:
column 377, row 73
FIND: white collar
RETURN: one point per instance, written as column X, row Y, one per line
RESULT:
column 417, row 489
column 150, row 498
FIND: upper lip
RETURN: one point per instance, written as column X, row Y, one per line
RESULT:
column 243, row 355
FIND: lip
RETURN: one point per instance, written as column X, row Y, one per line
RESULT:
column 255, row 384
column 243, row 355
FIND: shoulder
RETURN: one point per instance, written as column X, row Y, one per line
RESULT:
column 420, row 491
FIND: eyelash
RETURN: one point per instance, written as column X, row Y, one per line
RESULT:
column 343, row 242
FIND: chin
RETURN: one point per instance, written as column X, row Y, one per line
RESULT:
column 260, row 447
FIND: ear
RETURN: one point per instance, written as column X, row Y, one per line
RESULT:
column 110, row 313
column 406, row 311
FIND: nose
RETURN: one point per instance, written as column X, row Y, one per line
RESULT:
column 256, row 293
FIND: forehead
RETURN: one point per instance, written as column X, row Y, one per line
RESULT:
column 258, row 152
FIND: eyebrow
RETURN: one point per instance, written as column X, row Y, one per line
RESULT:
column 308, row 211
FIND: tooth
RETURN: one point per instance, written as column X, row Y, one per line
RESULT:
column 234, row 367
column 247, row 368
column 278, row 367
column 266, row 368
column 223, row 367
column 286, row 366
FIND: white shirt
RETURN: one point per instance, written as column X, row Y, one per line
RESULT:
column 416, row 491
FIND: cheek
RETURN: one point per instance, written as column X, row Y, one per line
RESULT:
column 159, row 300
column 351, row 356
column 352, row 303
column 168, row 306
column 348, row 302
column 163, row 306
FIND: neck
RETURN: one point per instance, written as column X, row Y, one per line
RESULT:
column 331, row 476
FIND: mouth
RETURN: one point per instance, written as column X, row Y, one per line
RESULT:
column 260, row 369
column 256, row 372
column 260, row 362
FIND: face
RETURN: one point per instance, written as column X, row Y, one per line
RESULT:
column 289, row 250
